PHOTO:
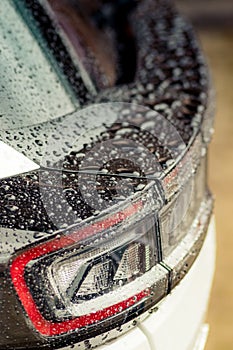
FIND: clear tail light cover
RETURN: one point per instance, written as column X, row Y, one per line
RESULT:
column 177, row 216
column 94, row 272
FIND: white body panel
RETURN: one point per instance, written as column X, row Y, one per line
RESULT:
column 14, row 162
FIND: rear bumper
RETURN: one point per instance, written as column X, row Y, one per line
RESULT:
column 178, row 321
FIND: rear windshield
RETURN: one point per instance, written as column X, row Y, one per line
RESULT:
column 31, row 91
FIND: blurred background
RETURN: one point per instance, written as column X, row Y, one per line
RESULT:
column 213, row 21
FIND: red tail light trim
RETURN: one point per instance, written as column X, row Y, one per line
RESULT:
column 17, row 270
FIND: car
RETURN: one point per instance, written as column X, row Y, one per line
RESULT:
column 106, row 217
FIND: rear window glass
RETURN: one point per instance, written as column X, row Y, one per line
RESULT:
column 30, row 89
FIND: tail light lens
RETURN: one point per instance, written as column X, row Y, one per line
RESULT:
column 177, row 216
column 90, row 274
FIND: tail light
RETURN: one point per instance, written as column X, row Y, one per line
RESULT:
column 177, row 216
column 107, row 270
column 92, row 273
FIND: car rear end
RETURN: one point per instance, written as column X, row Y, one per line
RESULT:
column 107, row 231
